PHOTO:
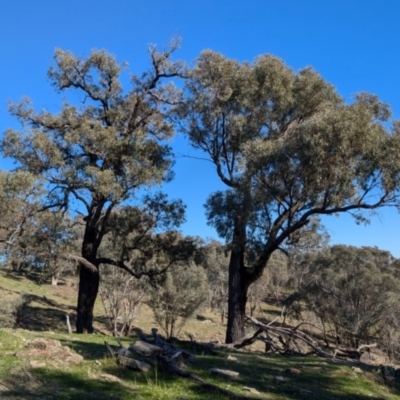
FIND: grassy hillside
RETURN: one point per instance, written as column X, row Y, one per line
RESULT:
column 40, row 360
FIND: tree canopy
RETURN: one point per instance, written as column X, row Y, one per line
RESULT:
column 99, row 153
column 288, row 148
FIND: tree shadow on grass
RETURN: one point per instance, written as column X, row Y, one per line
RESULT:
column 47, row 315
column 312, row 377
column 48, row 384
column 88, row 350
column 332, row 382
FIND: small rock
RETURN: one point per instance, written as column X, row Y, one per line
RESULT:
column 292, row 371
column 251, row 390
column 110, row 378
column 224, row 372
column 281, row 378
column 357, row 370
column 232, row 358
column 4, row 388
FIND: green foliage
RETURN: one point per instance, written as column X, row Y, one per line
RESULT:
column 214, row 259
column 270, row 132
column 353, row 290
column 272, row 284
column 99, row 154
column 121, row 295
column 177, row 295
column 288, row 148
column 95, row 157
column 10, row 311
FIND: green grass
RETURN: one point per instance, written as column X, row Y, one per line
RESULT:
column 311, row 377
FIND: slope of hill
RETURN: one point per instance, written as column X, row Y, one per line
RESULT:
column 39, row 359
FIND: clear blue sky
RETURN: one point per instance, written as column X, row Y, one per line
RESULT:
column 354, row 44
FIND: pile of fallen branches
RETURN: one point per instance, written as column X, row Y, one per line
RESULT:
column 288, row 340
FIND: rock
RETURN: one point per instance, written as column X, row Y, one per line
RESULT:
column 387, row 371
column 224, row 372
column 357, row 370
column 110, row 378
column 125, row 353
column 282, row 379
column 251, row 390
column 292, row 371
column 4, row 388
column 134, row 364
column 180, row 357
column 145, row 349
column 232, row 358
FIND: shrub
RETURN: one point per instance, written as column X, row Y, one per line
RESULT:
column 177, row 295
column 10, row 311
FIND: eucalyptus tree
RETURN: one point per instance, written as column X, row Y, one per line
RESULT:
column 353, row 290
column 288, row 148
column 48, row 240
column 100, row 152
column 214, row 258
column 19, row 201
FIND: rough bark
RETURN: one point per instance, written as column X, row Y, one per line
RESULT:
column 238, row 287
column 88, row 288
column 88, row 279
column 237, row 299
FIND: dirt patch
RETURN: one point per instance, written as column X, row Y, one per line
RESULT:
column 50, row 352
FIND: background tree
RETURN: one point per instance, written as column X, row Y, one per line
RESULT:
column 121, row 295
column 48, row 240
column 272, row 284
column 354, row 291
column 288, row 148
column 20, row 193
column 177, row 295
column 213, row 257
column 100, row 153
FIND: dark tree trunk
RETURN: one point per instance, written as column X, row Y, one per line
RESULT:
column 238, row 284
column 88, row 279
column 88, row 288
column 240, row 278
column 237, row 298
